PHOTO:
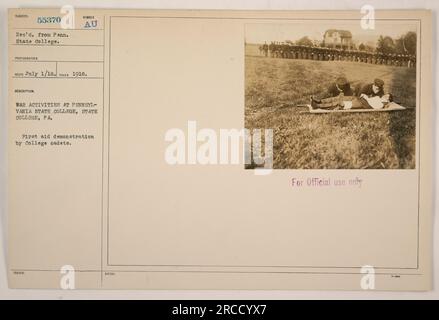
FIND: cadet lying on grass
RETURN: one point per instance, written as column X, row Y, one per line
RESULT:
column 370, row 96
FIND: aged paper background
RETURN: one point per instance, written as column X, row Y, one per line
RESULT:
column 126, row 158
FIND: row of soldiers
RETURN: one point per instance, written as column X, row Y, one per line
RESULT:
column 290, row 51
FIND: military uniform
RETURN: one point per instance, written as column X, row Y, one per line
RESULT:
column 334, row 90
column 368, row 89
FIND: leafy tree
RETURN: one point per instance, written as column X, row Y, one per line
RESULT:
column 385, row 45
column 304, row 41
column 406, row 44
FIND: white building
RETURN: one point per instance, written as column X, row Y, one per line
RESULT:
column 337, row 39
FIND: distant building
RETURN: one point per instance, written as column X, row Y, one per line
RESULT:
column 341, row 39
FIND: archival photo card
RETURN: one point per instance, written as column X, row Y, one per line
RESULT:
column 154, row 149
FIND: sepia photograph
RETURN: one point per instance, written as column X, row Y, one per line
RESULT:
column 337, row 95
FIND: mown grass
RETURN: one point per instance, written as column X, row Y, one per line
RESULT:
column 274, row 87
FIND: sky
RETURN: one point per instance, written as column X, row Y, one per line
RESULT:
column 261, row 32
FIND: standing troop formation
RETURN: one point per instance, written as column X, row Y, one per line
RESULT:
column 291, row 51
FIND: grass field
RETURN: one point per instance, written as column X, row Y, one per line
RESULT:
column 383, row 140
